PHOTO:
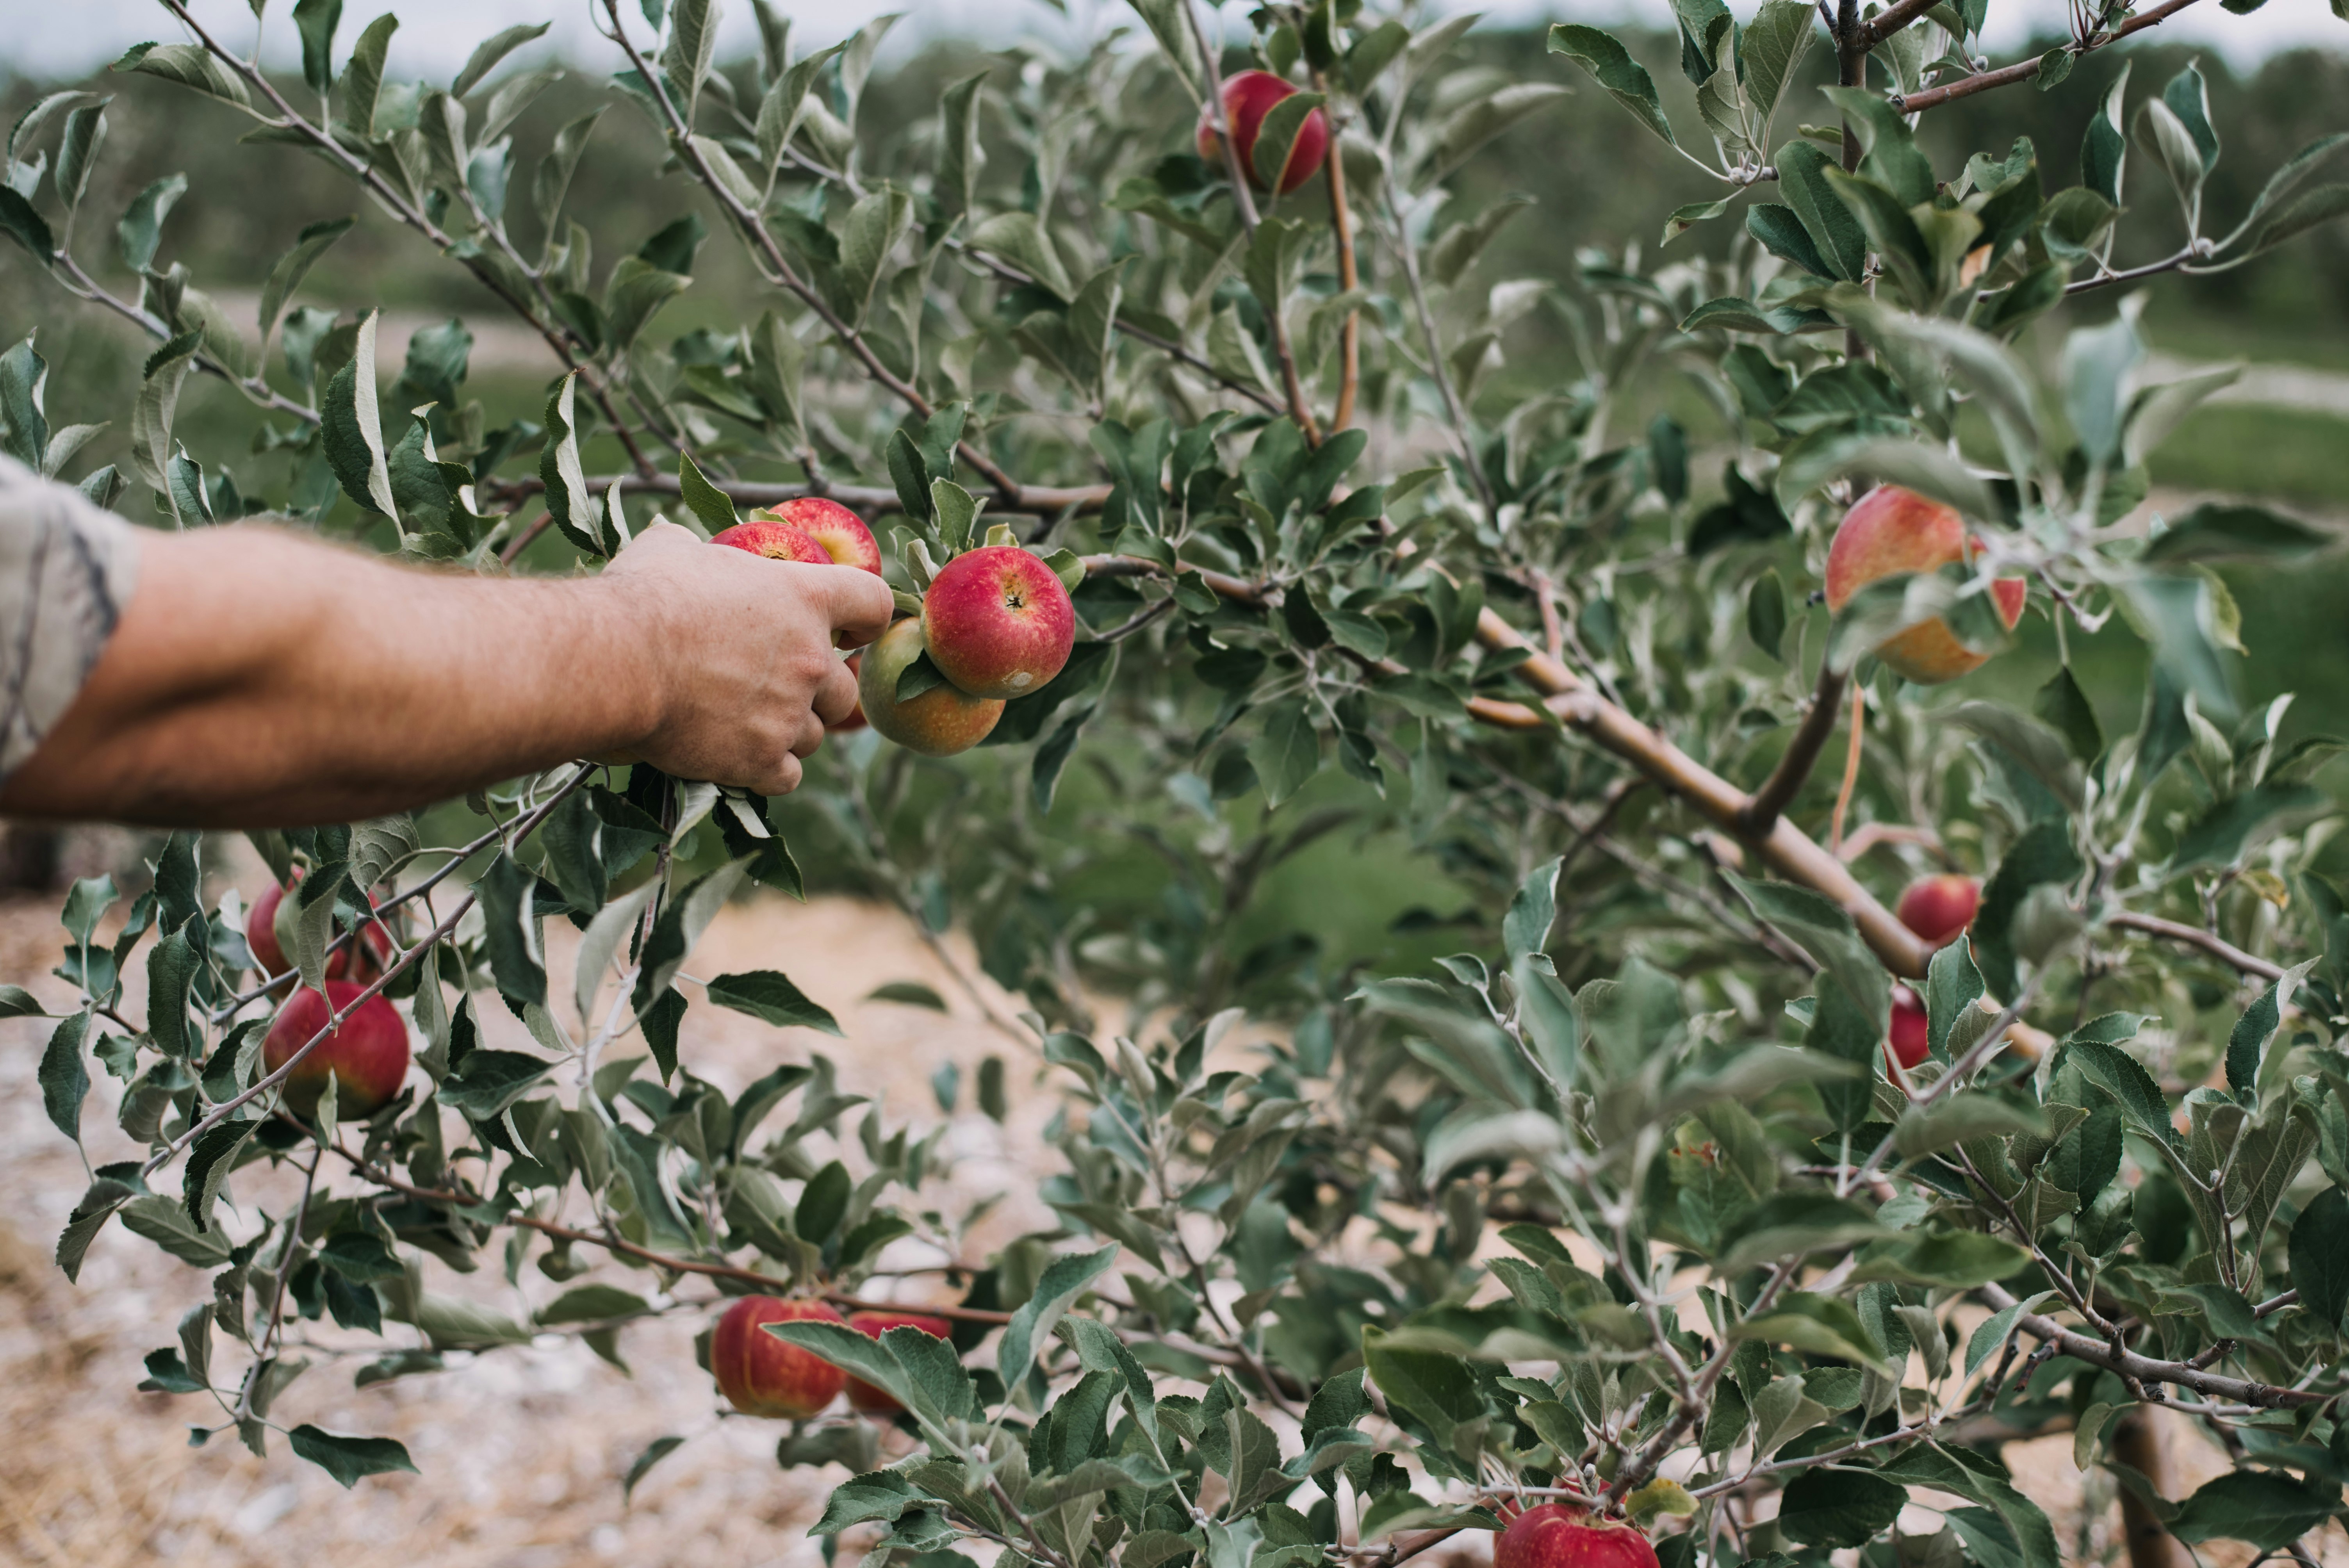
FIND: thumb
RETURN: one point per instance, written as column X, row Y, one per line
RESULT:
column 858, row 603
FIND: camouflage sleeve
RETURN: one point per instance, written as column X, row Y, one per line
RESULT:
column 66, row 569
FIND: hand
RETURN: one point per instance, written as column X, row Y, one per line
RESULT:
column 740, row 654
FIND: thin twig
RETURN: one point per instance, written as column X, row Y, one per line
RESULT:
column 1342, row 223
column 2023, row 71
column 1761, row 813
column 2210, row 942
column 1850, row 770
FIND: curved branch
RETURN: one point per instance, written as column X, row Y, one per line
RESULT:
column 2024, row 70
column 2218, row 946
column 2145, row 1370
column 1761, row 813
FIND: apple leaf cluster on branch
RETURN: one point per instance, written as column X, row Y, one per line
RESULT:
column 1703, row 1205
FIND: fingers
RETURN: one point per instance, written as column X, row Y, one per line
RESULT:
column 808, row 739
column 835, row 695
column 783, row 779
column 859, row 605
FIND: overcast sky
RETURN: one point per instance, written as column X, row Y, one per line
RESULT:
column 66, row 38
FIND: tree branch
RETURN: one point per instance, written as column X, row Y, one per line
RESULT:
column 2023, row 71
column 1245, row 203
column 1342, row 223
column 2145, row 1370
column 2218, row 946
column 1761, row 813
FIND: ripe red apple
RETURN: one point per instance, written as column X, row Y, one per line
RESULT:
column 864, row 1396
column 1891, row 530
column 1908, row 1044
column 941, row 721
column 1248, row 96
column 763, row 1376
column 1560, row 1535
column 361, row 959
column 997, row 622
column 775, row 540
column 367, row 1054
column 1940, row 908
column 840, row 532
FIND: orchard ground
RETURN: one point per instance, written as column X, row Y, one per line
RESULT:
column 523, row 1452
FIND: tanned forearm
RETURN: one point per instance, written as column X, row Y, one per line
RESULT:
column 262, row 677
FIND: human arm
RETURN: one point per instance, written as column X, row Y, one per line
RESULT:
column 261, row 677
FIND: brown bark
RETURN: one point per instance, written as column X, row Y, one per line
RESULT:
column 2136, row 1442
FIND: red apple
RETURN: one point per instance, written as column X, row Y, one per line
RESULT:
column 775, row 540
column 367, row 1054
column 1889, row 530
column 838, row 532
column 763, row 1376
column 997, row 622
column 941, row 721
column 1560, row 1535
column 362, row 958
column 1248, row 96
column 864, row 1396
column 1908, row 1044
column 1940, row 908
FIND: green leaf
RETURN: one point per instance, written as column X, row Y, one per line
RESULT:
column 1289, row 753
column 701, row 498
column 1526, row 927
column 1836, row 235
column 349, row 1460
column 1991, row 1333
column 2141, row 1100
column 766, row 995
column 1945, row 1260
column 655, row 1451
column 2319, row 1254
column 2266, row 1507
column 1624, row 78
column 2231, row 828
column 1792, row 1224
column 294, row 266
column 189, row 65
column 1771, row 48
column 350, row 428
column 1435, row 1386
column 1827, row 934
column 141, row 230
column 634, row 293
column 209, row 1160
column 64, row 1077
column 1275, row 136
column 1065, row 1279
column 487, row 1081
column 490, row 51
column 1835, row 1509
column 1019, row 238
column 2219, row 530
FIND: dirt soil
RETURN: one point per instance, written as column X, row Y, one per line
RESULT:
column 522, row 1450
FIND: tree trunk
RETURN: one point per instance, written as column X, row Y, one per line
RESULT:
column 2136, row 1441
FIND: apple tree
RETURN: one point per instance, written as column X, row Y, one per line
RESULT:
column 1630, row 1203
